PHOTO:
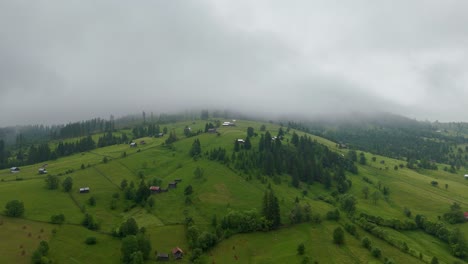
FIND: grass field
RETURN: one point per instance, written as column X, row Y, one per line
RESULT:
column 218, row 191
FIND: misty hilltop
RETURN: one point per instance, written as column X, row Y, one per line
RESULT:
column 62, row 62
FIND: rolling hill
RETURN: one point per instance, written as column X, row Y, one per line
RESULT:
column 200, row 221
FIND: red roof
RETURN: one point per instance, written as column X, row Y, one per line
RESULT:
column 465, row 214
column 177, row 249
column 154, row 188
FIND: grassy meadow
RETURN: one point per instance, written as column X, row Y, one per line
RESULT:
column 218, row 191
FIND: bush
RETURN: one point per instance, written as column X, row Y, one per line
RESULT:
column 91, row 241
column 14, row 208
column 57, row 219
column 338, row 236
column 366, row 242
column 301, row 249
column 376, row 252
column 333, row 215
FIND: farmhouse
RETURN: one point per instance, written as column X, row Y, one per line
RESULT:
column 84, row 190
column 212, row 130
column 133, row 145
column 155, row 189
column 240, row 140
column 466, row 176
column 42, row 171
column 14, row 169
column 465, row 214
column 227, row 123
column 160, row 135
column 177, row 253
column 162, row 257
column 142, row 142
column 172, row 185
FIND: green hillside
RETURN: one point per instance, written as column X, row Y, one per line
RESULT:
column 221, row 189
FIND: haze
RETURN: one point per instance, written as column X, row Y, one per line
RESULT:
column 64, row 61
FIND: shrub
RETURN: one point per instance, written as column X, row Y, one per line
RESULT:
column 91, row 241
column 338, row 236
column 376, row 252
column 14, row 208
column 366, row 242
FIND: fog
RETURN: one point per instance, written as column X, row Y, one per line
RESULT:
column 64, row 61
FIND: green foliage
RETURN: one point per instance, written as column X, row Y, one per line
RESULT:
column 67, row 184
column 338, row 236
column 57, row 219
column 348, row 203
column 301, row 249
column 14, row 208
column 188, row 190
column 92, row 201
column 52, row 182
column 376, row 252
column 434, row 260
column 366, row 242
column 41, row 252
column 196, row 150
column 89, row 222
column 455, row 215
column 90, row 241
column 271, row 209
column 333, row 215
column 129, row 227
column 198, row 173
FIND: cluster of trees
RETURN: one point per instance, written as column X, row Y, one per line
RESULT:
column 455, row 239
column 196, row 150
column 14, row 208
column 84, row 128
column 150, row 130
column 455, row 215
column 136, row 244
column 139, row 194
column 306, row 161
column 39, row 256
column 417, row 142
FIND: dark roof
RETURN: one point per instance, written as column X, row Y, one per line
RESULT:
column 177, row 250
column 163, row 255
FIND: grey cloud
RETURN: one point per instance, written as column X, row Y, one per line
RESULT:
column 80, row 59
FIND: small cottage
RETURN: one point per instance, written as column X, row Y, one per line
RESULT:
column 212, row 130
column 42, row 171
column 133, row 145
column 465, row 214
column 162, row 257
column 177, row 253
column 466, row 176
column 172, row 185
column 14, row 169
column 84, row 190
column 178, row 180
column 155, row 189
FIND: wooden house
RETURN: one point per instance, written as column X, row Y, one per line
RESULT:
column 155, row 189
column 84, row 190
column 177, row 253
column 172, row 185
column 162, row 257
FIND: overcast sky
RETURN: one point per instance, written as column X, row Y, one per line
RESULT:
column 66, row 61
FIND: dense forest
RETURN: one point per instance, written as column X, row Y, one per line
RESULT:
column 420, row 144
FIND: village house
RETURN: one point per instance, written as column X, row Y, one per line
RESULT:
column 178, row 180
column 162, row 257
column 466, row 176
column 42, row 171
column 133, row 145
column 172, row 185
column 84, row 190
column 240, row 141
column 155, row 189
column 14, row 169
column 465, row 214
column 177, row 253
column 212, row 130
